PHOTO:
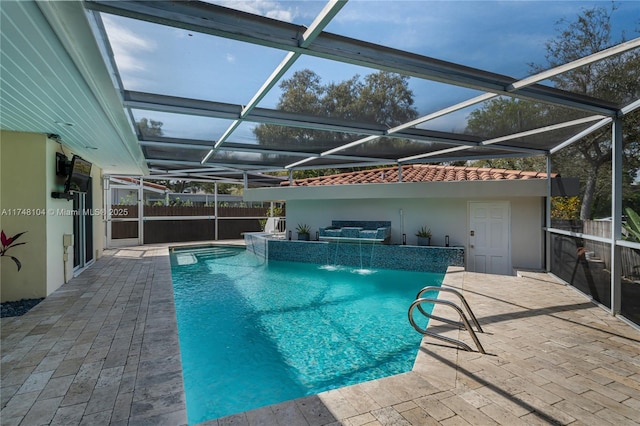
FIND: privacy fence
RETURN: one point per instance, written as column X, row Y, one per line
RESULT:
column 165, row 224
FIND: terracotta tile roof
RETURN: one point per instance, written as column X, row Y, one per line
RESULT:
column 419, row 173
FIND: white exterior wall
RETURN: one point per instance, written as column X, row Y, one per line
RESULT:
column 527, row 235
column 57, row 225
column 23, row 184
column 27, row 178
column 441, row 206
column 443, row 216
column 99, row 220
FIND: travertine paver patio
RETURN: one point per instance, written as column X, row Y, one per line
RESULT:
column 103, row 349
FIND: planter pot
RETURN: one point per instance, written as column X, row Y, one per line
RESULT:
column 303, row 237
column 424, row 241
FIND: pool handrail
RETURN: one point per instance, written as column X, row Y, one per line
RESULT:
column 464, row 323
column 457, row 293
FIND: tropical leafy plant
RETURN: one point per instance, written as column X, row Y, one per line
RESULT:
column 303, row 228
column 9, row 242
column 424, row 232
column 632, row 226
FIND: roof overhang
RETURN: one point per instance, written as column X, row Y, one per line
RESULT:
column 54, row 81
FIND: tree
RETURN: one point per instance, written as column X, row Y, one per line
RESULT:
column 613, row 78
column 380, row 98
column 148, row 127
column 153, row 128
column 504, row 116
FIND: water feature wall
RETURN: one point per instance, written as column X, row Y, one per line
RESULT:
column 361, row 255
column 354, row 230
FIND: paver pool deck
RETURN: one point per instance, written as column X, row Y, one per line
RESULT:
column 103, row 349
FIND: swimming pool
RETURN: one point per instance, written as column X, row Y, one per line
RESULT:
column 254, row 334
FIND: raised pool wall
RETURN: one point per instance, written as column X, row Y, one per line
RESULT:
column 357, row 254
column 441, row 206
column 355, row 230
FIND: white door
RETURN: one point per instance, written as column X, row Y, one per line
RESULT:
column 489, row 237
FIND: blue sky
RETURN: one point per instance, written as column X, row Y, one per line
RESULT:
column 502, row 37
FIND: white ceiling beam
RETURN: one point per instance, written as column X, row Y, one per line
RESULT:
column 330, row 10
column 301, row 162
column 543, row 129
column 255, row 29
column 471, row 156
column 244, row 167
column 517, row 85
column 249, row 149
column 413, row 123
column 173, row 145
column 530, row 151
column 382, row 162
column 623, row 47
column 201, row 170
column 432, row 154
column 196, row 179
column 236, row 25
column 631, row 107
column 595, row 57
column 581, row 135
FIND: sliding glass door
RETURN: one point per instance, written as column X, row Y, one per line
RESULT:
column 82, row 230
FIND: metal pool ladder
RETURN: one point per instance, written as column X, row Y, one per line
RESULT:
column 463, row 323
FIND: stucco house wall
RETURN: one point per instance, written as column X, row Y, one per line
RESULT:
column 27, row 178
column 23, row 187
column 441, row 206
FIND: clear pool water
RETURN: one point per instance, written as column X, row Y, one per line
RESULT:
column 254, row 334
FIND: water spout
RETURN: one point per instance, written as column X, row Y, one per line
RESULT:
column 373, row 246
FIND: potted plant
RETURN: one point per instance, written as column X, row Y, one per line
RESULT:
column 424, row 236
column 303, row 231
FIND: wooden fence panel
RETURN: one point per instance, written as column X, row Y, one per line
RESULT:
column 151, row 211
column 122, row 230
column 599, row 228
column 173, row 231
column 232, row 222
column 155, row 211
column 242, row 212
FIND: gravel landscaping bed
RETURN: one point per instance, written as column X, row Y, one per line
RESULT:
column 21, row 307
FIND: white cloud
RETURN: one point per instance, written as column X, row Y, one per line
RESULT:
column 230, row 58
column 126, row 46
column 269, row 8
column 281, row 15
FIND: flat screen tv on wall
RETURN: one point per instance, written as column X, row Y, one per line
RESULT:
column 79, row 175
